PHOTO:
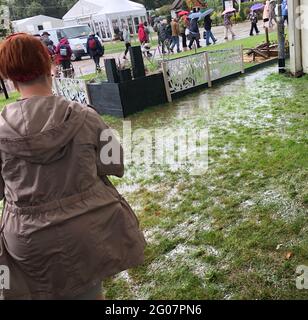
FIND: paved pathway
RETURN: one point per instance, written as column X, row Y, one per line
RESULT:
column 241, row 30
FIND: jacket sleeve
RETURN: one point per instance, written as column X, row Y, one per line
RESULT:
column 110, row 158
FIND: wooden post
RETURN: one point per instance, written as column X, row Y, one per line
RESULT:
column 281, row 41
column 208, row 70
column 4, row 89
column 242, row 58
column 267, row 41
column 166, row 81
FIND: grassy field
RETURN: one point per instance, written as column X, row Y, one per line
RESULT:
column 240, row 230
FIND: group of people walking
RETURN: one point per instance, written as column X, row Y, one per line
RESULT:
column 170, row 32
column 61, row 54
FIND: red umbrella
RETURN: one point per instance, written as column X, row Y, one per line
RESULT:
column 183, row 13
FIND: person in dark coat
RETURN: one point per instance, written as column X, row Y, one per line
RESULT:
column 208, row 30
column 164, row 35
column 253, row 17
column 194, row 33
column 169, row 33
column 95, row 50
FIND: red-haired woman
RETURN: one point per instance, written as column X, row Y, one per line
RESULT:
column 64, row 227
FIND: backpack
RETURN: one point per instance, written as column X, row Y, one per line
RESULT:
column 92, row 44
column 63, row 51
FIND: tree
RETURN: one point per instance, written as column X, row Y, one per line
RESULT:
column 5, row 25
column 154, row 4
column 26, row 8
column 35, row 8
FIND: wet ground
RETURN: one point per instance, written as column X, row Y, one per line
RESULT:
column 197, row 104
column 229, row 232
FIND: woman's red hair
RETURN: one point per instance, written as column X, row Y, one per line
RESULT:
column 23, row 58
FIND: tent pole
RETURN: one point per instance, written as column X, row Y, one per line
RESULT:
column 111, row 28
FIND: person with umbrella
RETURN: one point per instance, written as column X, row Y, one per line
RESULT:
column 253, row 17
column 228, row 23
column 208, row 28
column 194, row 33
column 184, row 24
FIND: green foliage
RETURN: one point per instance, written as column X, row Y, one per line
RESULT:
column 35, row 8
column 163, row 11
column 154, row 4
column 4, row 29
column 25, row 8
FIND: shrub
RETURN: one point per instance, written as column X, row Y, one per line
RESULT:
column 164, row 10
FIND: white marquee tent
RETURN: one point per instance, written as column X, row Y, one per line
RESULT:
column 36, row 24
column 106, row 16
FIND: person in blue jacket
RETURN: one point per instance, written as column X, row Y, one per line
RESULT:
column 284, row 8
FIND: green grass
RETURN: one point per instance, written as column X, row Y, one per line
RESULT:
column 12, row 98
column 225, row 234
column 249, row 42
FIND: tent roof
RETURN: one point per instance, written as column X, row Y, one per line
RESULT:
column 35, row 18
column 103, row 7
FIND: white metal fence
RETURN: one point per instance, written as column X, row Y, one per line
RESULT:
column 191, row 71
column 71, row 89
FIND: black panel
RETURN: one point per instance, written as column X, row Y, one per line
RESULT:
column 106, row 99
column 141, row 93
column 111, row 71
column 128, row 97
column 125, row 75
column 137, row 62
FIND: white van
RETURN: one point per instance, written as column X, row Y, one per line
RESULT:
column 77, row 37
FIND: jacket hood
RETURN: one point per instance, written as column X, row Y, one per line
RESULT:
column 40, row 129
column 141, row 25
column 64, row 41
